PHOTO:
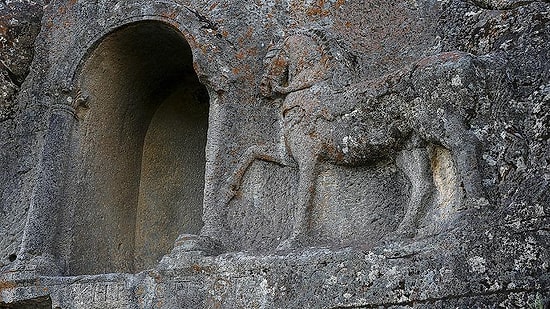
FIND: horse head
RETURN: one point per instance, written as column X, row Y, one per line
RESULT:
column 298, row 62
column 275, row 71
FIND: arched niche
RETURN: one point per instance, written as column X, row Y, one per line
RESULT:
column 138, row 173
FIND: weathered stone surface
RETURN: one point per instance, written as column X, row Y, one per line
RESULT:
column 19, row 25
column 354, row 154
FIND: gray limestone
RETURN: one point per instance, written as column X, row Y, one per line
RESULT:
column 274, row 154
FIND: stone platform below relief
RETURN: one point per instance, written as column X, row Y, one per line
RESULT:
column 397, row 275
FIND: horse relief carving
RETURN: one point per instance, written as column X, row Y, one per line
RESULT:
column 326, row 116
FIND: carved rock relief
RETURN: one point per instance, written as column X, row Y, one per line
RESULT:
column 404, row 116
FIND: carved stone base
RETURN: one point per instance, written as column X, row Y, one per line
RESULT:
column 204, row 244
column 187, row 249
column 392, row 275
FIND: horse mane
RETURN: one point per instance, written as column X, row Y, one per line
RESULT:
column 343, row 64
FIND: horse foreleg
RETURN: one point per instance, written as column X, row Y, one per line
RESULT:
column 416, row 166
column 306, row 192
column 234, row 181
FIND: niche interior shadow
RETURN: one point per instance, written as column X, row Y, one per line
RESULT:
column 138, row 177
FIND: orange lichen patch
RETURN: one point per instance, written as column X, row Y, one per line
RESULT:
column 317, row 12
column 239, row 194
column 213, row 6
column 321, row 3
column 157, row 277
column 195, row 45
column 3, row 30
column 324, row 59
column 318, row 9
column 244, row 39
column 197, row 68
column 170, row 15
column 279, row 63
column 6, row 285
column 234, row 153
column 253, row 51
column 236, row 71
column 140, row 291
column 201, row 269
column 191, row 41
column 249, row 32
column 61, row 10
column 225, row 33
column 240, row 55
column 49, row 23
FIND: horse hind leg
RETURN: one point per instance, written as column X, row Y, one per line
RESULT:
column 466, row 157
column 415, row 164
column 466, row 149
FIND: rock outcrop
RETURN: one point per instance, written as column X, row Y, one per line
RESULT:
column 274, row 154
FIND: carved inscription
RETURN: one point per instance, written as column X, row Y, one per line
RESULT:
column 97, row 294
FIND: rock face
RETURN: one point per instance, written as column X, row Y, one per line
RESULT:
column 19, row 25
column 272, row 154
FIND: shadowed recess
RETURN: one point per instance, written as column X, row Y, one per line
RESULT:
column 138, row 177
